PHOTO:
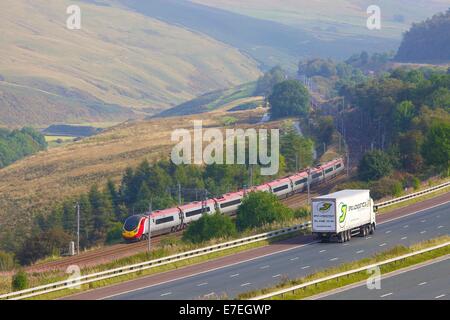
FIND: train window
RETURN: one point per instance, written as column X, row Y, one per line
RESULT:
column 165, row 220
column 230, row 203
column 132, row 223
column 197, row 212
column 281, row 188
column 329, row 170
column 338, row 165
column 317, row 175
column 302, row 181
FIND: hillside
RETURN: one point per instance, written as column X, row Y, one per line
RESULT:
column 331, row 18
column 213, row 100
column 428, row 41
column 118, row 59
column 37, row 183
column 267, row 41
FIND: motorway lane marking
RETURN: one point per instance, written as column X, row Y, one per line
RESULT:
column 202, row 284
column 293, row 259
column 334, row 259
column 264, row 267
column 276, row 276
column 416, row 212
column 439, row 227
column 209, row 295
column 266, row 255
column 360, row 251
column 321, row 251
column 383, row 244
column 405, row 226
column 423, row 221
column 389, row 231
column 441, row 296
column 234, row 275
column 367, row 238
column 404, row 238
column 422, row 283
column 305, row 267
column 245, row 284
column 386, row 295
column 422, row 232
column 346, row 244
column 166, row 294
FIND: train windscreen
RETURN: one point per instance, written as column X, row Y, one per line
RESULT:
column 132, row 223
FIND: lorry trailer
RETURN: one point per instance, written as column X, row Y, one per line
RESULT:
column 343, row 214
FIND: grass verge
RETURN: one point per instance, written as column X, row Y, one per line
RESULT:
column 355, row 277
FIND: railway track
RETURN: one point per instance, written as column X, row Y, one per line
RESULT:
column 123, row 250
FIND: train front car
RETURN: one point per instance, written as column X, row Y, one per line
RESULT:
column 134, row 228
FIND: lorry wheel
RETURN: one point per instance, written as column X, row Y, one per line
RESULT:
column 349, row 235
column 371, row 229
column 341, row 237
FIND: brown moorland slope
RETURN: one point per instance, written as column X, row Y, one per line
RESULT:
column 49, row 73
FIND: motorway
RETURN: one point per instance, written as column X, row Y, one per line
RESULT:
column 262, row 267
column 430, row 281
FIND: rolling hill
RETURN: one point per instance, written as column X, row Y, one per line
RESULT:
column 117, row 66
column 336, row 18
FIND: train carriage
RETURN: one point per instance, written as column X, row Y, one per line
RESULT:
column 281, row 187
column 299, row 181
column 193, row 211
column 229, row 203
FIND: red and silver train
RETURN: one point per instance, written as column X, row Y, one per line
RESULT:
column 177, row 218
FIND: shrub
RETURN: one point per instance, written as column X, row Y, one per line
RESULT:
column 209, row 227
column 6, row 261
column 386, row 187
column 115, row 233
column 260, row 208
column 301, row 213
column 20, row 281
column 374, row 165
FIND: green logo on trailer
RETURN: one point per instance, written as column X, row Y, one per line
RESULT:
column 325, row 207
column 343, row 210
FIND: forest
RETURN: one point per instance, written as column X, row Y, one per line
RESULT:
column 428, row 41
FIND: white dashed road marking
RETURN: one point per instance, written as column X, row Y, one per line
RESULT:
column 334, row 259
column 441, row 296
column 321, row 251
column 305, row 267
column 234, row 275
column 360, row 251
column 293, row 259
column 265, row 267
column 202, row 284
column 386, row 295
column 166, row 294
column 404, row 238
column 245, row 284
column 422, row 283
column 383, row 244
column 276, row 276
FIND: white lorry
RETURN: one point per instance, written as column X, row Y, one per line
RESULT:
column 343, row 214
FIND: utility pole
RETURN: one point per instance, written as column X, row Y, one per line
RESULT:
column 309, row 192
column 149, row 235
column 78, row 228
column 348, row 163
